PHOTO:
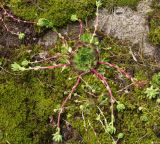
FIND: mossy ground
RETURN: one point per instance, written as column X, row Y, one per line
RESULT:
column 28, row 100
column 60, row 11
column 154, row 21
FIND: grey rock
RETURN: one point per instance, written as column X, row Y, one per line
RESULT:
column 126, row 24
column 48, row 39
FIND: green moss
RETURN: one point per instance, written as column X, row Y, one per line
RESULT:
column 57, row 11
column 156, row 79
column 154, row 22
column 130, row 3
column 60, row 11
column 154, row 34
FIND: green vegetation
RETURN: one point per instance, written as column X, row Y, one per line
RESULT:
column 153, row 91
column 58, row 12
column 21, row 36
column 156, row 79
column 30, row 100
column 154, row 35
column 120, row 107
column 57, row 136
column 85, row 59
column 42, row 22
column 113, row 3
column 154, row 20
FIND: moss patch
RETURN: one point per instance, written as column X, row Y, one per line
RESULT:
column 60, row 11
column 130, row 3
column 154, row 21
column 56, row 11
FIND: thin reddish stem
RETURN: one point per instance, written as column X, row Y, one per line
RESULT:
column 80, row 27
column 119, row 69
column 104, row 81
column 57, row 55
column 49, row 67
column 8, row 28
column 16, row 19
column 67, row 98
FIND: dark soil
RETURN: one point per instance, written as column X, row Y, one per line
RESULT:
column 7, row 39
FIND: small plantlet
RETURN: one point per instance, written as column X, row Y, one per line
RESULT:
column 21, row 36
column 86, row 37
column 74, row 18
column 156, row 79
column 144, row 118
column 57, row 137
column 16, row 67
column 152, row 92
column 110, row 129
column 98, row 3
column 85, row 59
column 120, row 107
column 25, row 63
column 120, row 135
column 43, row 22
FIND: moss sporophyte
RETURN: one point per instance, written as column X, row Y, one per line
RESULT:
column 83, row 58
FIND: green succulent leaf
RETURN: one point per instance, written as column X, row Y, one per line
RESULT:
column 120, row 135
column 98, row 3
column 120, row 107
column 152, row 92
column 86, row 37
column 110, row 129
column 17, row 67
column 21, row 36
column 25, row 63
column 43, row 22
column 57, row 137
column 74, row 18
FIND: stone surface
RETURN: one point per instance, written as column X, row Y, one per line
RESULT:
column 126, row 24
column 49, row 39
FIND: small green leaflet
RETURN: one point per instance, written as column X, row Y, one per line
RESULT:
column 21, row 36
column 74, row 18
column 86, row 37
column 17, row 67
column 43, row 22
column 25, row 63
column 98, row 3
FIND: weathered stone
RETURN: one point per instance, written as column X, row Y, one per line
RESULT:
column 126, row 24
column 48, row 39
